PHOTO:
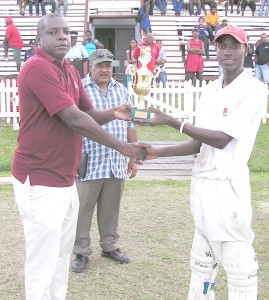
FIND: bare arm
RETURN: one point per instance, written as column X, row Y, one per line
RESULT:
column 214, row 138
column 132, row 138
column 86, row 126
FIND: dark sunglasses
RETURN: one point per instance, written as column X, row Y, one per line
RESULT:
column 104, row 53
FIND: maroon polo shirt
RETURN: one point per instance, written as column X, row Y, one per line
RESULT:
column 48, row 150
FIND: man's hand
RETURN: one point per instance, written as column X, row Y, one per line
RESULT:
column 151, row 152
column 133, row 151
column 132, row 168
column 160, row 118
column 122, row 112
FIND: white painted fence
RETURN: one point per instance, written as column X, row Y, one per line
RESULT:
column 179, row 99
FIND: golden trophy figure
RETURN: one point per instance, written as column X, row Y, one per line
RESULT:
column 142, row 82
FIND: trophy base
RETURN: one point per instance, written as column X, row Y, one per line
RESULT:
column 140, row 113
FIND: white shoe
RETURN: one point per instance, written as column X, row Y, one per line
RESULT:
column 5, row 58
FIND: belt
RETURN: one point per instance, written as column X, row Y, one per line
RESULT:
column 77, row 59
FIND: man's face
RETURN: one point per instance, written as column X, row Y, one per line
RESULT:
column 88, row 36
column 101, row 73
column 230, row 53
column 213, row 10
column 73, row 40
column 55, row 37
column 159, row 43
column 264, row 38
column 149, row 39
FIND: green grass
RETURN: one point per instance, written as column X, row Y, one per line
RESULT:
column 259, row 161
column 156, row 231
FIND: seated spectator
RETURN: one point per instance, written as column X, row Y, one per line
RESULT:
column 46, row 2
column 60, row 3
column 77, row 55
column 208, row 2
column 22, row 6
column 178, row 5
column 251, row 4
column 162, row 5
column 224, row 3
column 30, row 52
column 196, row 3
column 263, row 4
column 36, row 3
column 186, row 5
column 223, row 24
column 212, row 20
column 237, row 2
column 203, row 34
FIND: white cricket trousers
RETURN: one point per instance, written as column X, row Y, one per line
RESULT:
column 49, row 218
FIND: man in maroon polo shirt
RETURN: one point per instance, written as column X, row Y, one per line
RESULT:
column 54, row 112
column 13, row 40
column 154, row 50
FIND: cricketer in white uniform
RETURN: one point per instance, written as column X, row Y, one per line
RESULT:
column 228, row 120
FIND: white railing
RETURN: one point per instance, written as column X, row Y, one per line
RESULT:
column 179, row 99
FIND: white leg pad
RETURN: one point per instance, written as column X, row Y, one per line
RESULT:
column 204, row 270
column 241, row 266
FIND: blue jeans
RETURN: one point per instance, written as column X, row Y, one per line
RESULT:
column 36, row 3
column 177, row 6
column 262, row 73
column 161, row 4
column 65, row 5
column 263, row 2
column 162, row 78
column 43, row 6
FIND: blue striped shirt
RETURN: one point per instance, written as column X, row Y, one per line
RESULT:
column 102, row 160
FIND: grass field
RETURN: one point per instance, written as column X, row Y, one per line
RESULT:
column 156, row 232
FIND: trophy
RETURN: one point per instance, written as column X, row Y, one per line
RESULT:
column 142, row 82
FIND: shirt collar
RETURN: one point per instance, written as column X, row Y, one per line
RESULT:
column 233, row 85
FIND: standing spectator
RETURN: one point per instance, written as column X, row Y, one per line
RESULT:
column 162, row 5
column 223, row 24
column 36, row 3
column 106, row 168
column 202, row 28
column 251, row 4
column 77, row 55
column 225, row 4
column 248, row 61
column 178, row 5
column 143, row 17
column 264, row 3
column 13, row 40
column 262, row 60
column 160, row 62
column 154, row 50
column 212, row 20
column 55, row 111
column 227, row 122
column 60, row 3
column 131, row 60
column 194, row 61
column 46, row 2
column 30, row 52
column 196, row 3
column 91, row 44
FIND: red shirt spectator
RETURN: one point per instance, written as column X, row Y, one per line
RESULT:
column 13, row 36
column 154, row 50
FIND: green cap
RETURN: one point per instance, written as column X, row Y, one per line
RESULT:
column 101, row 55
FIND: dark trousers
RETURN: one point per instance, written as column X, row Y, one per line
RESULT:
column 43, row 6
column 78, row 64
column 36, row 3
